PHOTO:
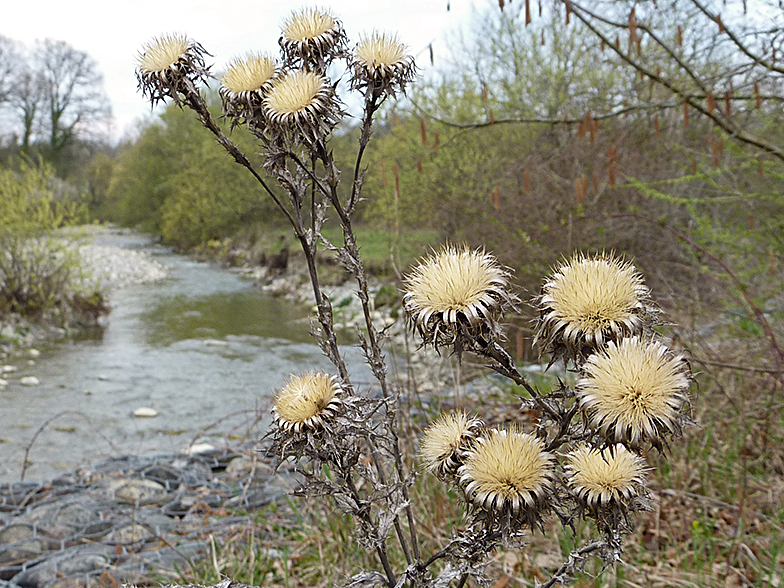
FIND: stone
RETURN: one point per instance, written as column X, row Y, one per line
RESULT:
column 145, row 412
column 3, row 382
column 132, row 533
column 7, row 369
column 29, row 381
column 33, row 353
column 198, row 448
column 15, row 533
column 136, row 490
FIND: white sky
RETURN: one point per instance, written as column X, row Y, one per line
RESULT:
column 114, row 31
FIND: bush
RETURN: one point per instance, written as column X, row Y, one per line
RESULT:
column 41, row 272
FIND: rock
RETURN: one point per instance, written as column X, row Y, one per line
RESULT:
column 216, row 342
column 15, row 533
column 3, row 383
column 33, row 353
column 131, row 534
column 197, row 448
column 29, row 381
column 145, row 412
column 7, row 369
column 136, row 491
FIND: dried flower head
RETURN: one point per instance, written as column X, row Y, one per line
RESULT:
column 381, row 64
column 307, row 401
column 589, row 301
column 170, row 64
column 245, row 83
column 302, row 102
column 507, row 474
column 607, row 476
column 446, row 442
column 313, row 36
column 635, row 391
column 456, row 296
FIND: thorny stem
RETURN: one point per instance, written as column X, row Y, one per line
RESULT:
column 195, row 101
column 353, row 262
column 383, row 479
column 575, row 558
column 380, row 545
column 371, row 105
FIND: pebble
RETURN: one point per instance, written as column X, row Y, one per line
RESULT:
column 197, row 448
column 7, row 369
column 29, row 381
column 33, row 352
column 3, row 382
column 145, row 412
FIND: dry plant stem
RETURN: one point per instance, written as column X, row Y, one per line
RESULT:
column 196, row 102
column 364, row 514
column 569, row 566
column 353, row 262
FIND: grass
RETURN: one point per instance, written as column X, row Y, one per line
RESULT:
column 383, row 251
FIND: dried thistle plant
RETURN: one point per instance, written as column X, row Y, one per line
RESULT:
column 581, row 460
column 455, row 297
column 588, row 301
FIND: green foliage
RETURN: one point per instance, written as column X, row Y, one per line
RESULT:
column 39, row 270
column 174, row 182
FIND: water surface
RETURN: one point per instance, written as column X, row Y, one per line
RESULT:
column 202, row 346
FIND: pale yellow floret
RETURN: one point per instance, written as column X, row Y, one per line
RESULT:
column 380, row 50
column 453, row 279
column 304, row 397
column 603, row 476
column 295, row 93
column 163, row 52
column 445, row 439
column 506, row 469
column 249, row 74
column 633, row 389
column 593, row 293
column 308, row 24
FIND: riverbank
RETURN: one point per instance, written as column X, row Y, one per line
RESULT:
column 104, row 269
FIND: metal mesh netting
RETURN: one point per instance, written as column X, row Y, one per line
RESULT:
column 129, row 519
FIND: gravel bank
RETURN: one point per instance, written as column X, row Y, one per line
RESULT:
column 114, row 268
column 107, row 268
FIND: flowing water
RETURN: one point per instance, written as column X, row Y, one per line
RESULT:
column 203, row 348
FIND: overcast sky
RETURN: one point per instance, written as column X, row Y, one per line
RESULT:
column 114, row 31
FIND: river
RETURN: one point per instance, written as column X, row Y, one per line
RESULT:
column 204, row 348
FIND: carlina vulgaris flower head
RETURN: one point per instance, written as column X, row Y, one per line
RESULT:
column 380, row 64
column 307, row 402
column 169, row 65
column 301, row 103
column 245, row 83
column 446, row 442
column 506, row 476
column 312, row 38
column 609, row 477
column 635, row 392
column 588, row 301
column 456, row 296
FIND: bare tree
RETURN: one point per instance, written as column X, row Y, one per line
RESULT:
column 71, row 92
column 51, row 97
